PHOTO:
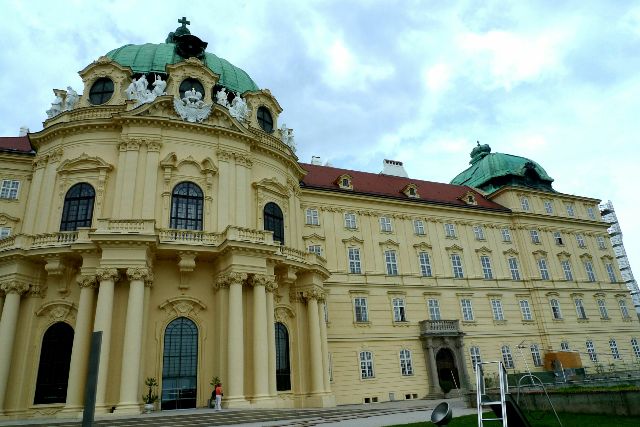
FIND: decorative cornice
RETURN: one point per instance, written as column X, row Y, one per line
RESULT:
column 107, row 274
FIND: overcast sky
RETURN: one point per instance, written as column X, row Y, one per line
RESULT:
column 361, row 81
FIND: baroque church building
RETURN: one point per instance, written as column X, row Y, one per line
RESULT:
column 164, row 206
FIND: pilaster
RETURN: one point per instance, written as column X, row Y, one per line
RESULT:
column 104, row 313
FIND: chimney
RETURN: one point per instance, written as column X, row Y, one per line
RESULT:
column 24, row 130
column 393, row 168
column 315, row 160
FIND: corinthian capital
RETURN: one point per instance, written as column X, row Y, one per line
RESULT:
column 86, row 280
column 227, row 279
column 14, row 287
column 148, row 281
column 107, row 274
column 313, row 293
column 137, row 273
column 265, row 280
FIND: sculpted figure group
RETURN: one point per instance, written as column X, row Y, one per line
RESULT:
column 139, row 91
column 65, row 102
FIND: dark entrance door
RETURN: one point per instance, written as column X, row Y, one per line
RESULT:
column 447, row 371
column 283, row 366
column 180, row 365
column 55, row 358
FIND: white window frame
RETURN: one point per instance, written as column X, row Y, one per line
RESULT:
column 602, row 307
column 566, row 269
column 580, row 310
column 535, row 355
column 591, row 213
column 366, row 365
column 564, row 346
column 615, row 353
column 360, row 310
column 478, row 231
column 524, row 203
column 434, row 309
column 487, row 271
column 450, row 230
column 315, row 249
column 391, row 262
column 635, row 347
column 506, row 235
column 5, row 232
column 601, row 242
column 580, row 241
column 513, row 268
column 548, row 206
column 466, row 306
column 385, row 224
column 543, row 268
column 624, row 310
column 535, row 236
column 418, row 227
column 591, row 351
column 557, row 237
column 588, row 268
column 353, row 257
column 507, row 357
column 456, row 265
column 556, row 312
column 406, row 364
column 525, row 310
column 350, row 221
column 10, row 189
column 425, row 264
column 399, row 310
column 496, row 309
column 570, row 209
column 476, row 357
column 312, row 217
column 610, row 272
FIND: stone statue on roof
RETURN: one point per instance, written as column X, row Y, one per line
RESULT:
column 239, row 109
column 286, row 136
column 191, row 108
column 71, row 99
column 158, row 86
column 221, row 97
column 56, row 107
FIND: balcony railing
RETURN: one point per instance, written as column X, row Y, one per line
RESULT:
column 54, row 239
column 189, row 237
column 143, row 226
column 440, row 327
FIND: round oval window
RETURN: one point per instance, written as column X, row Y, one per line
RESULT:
column 265, row 120
column 101, row 91
column 188, row 84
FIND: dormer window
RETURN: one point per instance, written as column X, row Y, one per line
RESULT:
column 345, row 182
column 411, row 190
column 469, row 198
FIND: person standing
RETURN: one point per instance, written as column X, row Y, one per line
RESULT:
column 218, row 394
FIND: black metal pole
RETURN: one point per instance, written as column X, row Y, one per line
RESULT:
column 92, row 380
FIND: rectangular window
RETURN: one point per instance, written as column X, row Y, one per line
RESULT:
column 544, row 270
column 450, row 230
column 315, row 249
column 425, row 264
column 475, row 356
column 391, row 262
column 360, row 306
column 354, row 261
column 496, row 308
column 564, row 346
column 350, row 221
column 535, row 355
column 9, row 189
column 635, row 347
column 524, row 202
column 591, row 350
column 611, row 272
column 602, row 307
column 588, row 267
column 580, row 241
column 385, row 224
column 601, row 243
column 525, row 310
column 570, row 210
column 555, row 309
column 366, row 365
column 566, row 268
column 506, row 236
column 548, row 206
column 399, row 314
column 580, row 311
column 557, row 236
column 312, row 217
column 535, row 237
column 613, row 345
column 467, row 310
column 418, row 227
column 5, row 232
column 487, row 272
column 406, row 365
column 434, row 309
column 513, row 267
column 507, row 359
column 456, row 263
column 591, row 213
column 478, row 231
column 623, row 308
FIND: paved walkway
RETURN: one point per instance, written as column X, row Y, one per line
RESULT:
column 370, row 415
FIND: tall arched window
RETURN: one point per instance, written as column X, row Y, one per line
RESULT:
column 274, row 221
column 55, row 358
column 283, row 366
column 186, row 207
column 78, row 207
column 180, row 365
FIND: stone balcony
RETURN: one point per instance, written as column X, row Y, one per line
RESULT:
column 440, row 328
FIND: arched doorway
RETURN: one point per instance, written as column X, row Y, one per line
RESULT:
column 53, row 370
column 180, row 365
column 447, row 370
column 283, row 364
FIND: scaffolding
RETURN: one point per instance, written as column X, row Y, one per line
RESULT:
column 615, row 235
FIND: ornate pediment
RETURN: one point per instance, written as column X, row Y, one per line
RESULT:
column 6, row 218
column 353, row 240
column 389, row 242
column 422, row 246
column 58, row 310
column 510, row 251
column 313, row 236
column 483, row 249
column 271, row 185
column 83, row 163
column 454, row 248
column 183, row 306
column 539, row 252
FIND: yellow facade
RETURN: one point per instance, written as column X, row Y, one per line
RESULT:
column 129, row 274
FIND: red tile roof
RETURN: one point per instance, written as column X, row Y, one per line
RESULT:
column 19, row 144
column 326, row 177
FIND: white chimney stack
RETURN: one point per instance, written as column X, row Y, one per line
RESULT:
column 315, row 160
column 24, row 130
column 393, row 168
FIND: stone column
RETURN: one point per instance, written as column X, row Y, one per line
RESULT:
column 462, row 366
column 271, row 338
column 81, row 344
column 235, row 338
column 324, row 346
column 315, row 346
column 132, row 349
column 432, row 368
column 104, row 313
column 8, row 322
column 260, row 337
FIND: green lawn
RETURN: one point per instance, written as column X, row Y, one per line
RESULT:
column 539, row 419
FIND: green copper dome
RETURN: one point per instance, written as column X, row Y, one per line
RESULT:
column 492, row 171
column 152, row 58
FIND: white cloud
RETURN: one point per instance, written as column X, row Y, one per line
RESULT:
column 437, row 77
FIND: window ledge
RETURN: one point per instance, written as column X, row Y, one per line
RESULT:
column 362, row 324
column 401, row 323
column 451, row 237
column 627, row 319
column 312, row 225
column 561, row 319
column 351, row 228
column 469, row 323
column 605, row 319
column 528, row 322
column 583, row 320
column 499, row 322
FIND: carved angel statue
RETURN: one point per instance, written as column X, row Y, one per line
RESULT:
column 141, row 84
column 131, row 89
column 56, row 107
column 239, row 109
column 286, row 136
column 71, row 99
column 221, row 97
column 158, row 86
